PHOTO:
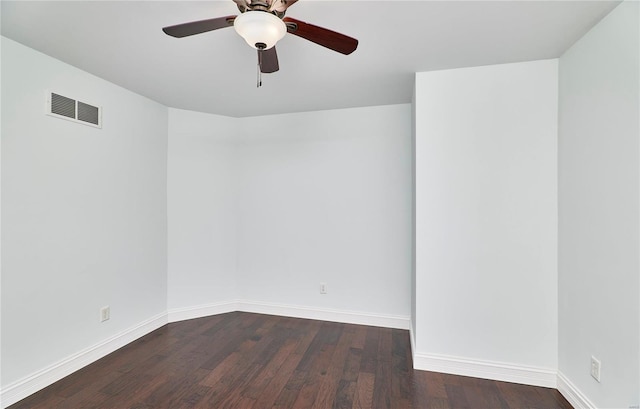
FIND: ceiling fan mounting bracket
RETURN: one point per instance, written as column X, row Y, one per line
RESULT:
column 268, row 6
column 259, row 6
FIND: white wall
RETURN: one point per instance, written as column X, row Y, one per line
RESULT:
column 261, row 210
column 83, row 213
column 486, row 220
column 326, row 197
column 202, row 209
column 413, row 220
column 599, row 142
column 0, row 218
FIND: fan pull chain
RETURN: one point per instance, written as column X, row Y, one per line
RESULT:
column 259, row 68
column 259, row 77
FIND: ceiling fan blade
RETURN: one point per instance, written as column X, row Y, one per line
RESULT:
column 197, row 27
column 322, row 36
column 268, row 60
column 280, row 5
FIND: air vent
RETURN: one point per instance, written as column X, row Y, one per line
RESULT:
column 63, row 106
column 73, row 110
column 88, row 113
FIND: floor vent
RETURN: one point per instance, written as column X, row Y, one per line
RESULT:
column 73, row 110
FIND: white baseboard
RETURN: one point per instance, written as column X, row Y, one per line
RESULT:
column 576, row 398
column 347, row 317
column 412, row 340
column 498, row 371
column 28, row 385
column 258, row 307
column 199, row 311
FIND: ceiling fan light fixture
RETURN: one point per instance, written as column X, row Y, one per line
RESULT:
column 260, row 29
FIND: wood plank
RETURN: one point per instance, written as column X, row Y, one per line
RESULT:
column 456, row 397
column 313, row 377
column 363, row 398
column 329, row 382
column 277, row 383
column 437, row 403
column 434, row 384
column 344, row 395
column 291, row 390
column 370, row 350
column 270, row 370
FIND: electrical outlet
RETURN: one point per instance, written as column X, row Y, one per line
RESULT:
column 105, row 313
column 595, row 369
column 323, row 288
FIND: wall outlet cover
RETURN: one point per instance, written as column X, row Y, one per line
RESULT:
column 105, row 313
column 595, row 368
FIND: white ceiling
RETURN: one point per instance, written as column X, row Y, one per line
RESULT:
column 215, row 72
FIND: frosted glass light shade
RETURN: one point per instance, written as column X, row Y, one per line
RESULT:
column 260, row 27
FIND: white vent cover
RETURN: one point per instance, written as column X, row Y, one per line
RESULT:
column 73, row 110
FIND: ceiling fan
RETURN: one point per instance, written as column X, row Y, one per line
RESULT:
column 262, row 24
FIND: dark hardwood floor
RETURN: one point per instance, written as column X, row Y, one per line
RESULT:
column 252, row 361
